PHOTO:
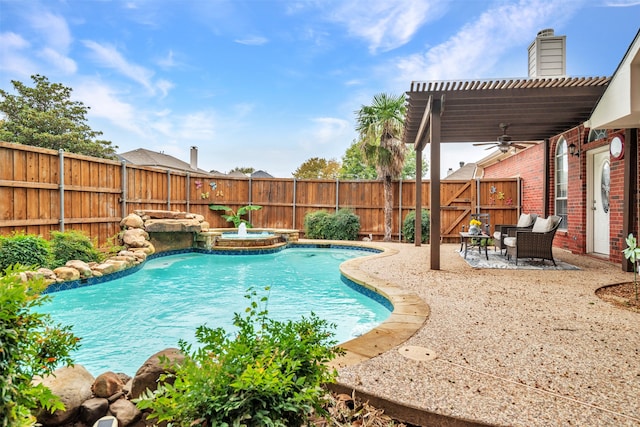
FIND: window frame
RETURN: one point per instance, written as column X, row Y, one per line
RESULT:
column 560, row 188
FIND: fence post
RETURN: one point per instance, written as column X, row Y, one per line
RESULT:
column 168, row 190
column 400, row 210
column 61, row 187
column 250, row 199
column 188, row 190
column 337, row 194
column 293, row 204
column 124, row 195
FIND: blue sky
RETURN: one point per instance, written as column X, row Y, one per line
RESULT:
column 270, row 84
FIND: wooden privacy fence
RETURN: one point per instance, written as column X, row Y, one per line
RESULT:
column 43, row 190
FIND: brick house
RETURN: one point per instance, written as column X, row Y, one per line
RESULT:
column 600, row 207
column 585, row 165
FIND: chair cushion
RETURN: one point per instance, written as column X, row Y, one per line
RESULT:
column 524, row 220
column 510, row 241
column 497, row 235
column 542, row 225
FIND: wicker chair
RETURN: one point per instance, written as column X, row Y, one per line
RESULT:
column 525, row 222
column 535, row 243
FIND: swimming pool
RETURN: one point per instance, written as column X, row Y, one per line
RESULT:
column 124, row 321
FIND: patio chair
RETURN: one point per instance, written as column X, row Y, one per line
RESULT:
column 534, row 243
column 525, row 222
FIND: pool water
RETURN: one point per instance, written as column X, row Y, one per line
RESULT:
column 124, row 321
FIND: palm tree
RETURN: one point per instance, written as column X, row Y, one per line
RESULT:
column 380, row 126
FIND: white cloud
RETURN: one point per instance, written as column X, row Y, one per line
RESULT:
column 104, row 103
column 108, row 56
column 54, row 30
column 385, row 25
column 476, row 49
column 15, row 61
column 61, row 62
column 253, row 41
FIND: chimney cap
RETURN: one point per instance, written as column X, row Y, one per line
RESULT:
column 547, row 32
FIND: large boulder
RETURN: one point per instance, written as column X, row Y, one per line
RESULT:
column 132, row 221
column 125, row 412
column 72, row 384
column 172, row 225
column 107, row 384
column 149, row 373
column 135, row 237
column 104, row 268
column 92, row 410
column 67, row 273
column 82, row 267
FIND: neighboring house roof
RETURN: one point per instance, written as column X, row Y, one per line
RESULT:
column 144, row 157
column 466, row 172
column 619, row 106
column 261, row 174
column 237, row 173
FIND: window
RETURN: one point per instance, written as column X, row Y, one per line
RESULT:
column 596, row 134
column 561, row 181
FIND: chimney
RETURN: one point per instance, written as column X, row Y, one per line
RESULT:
column 194, row 157
column 548, row 55
column 449, row 171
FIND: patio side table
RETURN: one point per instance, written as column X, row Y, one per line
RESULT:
column 468, row 240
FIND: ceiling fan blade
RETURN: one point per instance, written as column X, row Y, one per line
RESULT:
column 518, row 146
column 486, row 143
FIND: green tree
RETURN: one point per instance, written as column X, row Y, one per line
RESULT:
column 44, row 116
column 243, row 169
column 354, row 166
column 380, row 126
column 317, row 168
column 409, row 168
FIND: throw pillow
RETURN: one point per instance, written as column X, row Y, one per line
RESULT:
column 541, row 225
column 524, row 220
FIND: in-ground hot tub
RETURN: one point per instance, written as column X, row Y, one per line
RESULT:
column 254, row 238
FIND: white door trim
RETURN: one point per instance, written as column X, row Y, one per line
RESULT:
column 589, row 195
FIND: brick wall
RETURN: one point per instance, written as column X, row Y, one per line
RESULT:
column 529, row 164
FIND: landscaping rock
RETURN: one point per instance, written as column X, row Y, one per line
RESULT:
column 47, row 273
column 135, row 237
column 125, row 412
column 172, row 225
column 66, row 273
column 107, row 385
column 132, row 221
column 73, row 386
column 93, row 409
column 83, row 268
column 104, row 268
column 149, row 373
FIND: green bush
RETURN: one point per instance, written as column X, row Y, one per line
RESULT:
column 270, row 373
column 25, row 249
column 315, row 224
column 409, row 226
column 343, row 225
column 70, row 245
column 31, row 345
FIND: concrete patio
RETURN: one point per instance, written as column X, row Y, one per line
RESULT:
column 505, row 347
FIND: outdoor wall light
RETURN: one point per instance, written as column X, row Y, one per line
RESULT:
column 573, row 150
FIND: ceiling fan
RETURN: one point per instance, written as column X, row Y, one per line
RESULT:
column 504, row 141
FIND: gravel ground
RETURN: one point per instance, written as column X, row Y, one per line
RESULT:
column 513, row 347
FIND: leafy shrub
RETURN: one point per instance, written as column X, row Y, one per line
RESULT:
column 236, row 217
column 269, row 374
column 315, row 224
column 70, row 245
column 409, row 226
column 343, row 225
column 25, row 249
column 31, row 345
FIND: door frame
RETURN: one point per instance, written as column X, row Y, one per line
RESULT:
column 589, row 193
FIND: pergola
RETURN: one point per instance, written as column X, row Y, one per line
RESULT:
column 472, row 111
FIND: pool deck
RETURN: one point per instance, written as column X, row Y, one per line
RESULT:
column 472, row 346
